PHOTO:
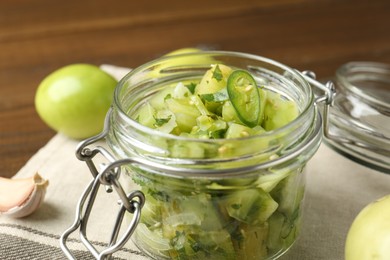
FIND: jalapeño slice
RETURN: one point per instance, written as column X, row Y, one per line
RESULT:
column 244, row 96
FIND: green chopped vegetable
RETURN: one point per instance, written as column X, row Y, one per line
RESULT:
column 244, row 95
column 278, row 111
column 253, row 206
column 222, row 95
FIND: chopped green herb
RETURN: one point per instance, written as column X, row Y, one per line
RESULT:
column 217, row 73
column 217, row 134
column 236, row 206
column 208, row 97
column 191, row 87
column 159, row 195
column 162, row 121
column 219, row 96
column 167, row 97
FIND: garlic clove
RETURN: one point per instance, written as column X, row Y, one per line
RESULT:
column 20, row 197
column 14, row 192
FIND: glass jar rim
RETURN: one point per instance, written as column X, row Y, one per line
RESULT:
column 369, row 69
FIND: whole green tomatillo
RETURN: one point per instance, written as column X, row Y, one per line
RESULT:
column 74, row 100
column 369, row 235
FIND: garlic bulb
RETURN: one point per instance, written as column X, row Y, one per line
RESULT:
column 21, row 197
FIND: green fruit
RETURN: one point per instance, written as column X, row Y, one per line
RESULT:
column 178, row 58
column 74, row 100
column 183, row 51
column 369, row 235
column 180, row 61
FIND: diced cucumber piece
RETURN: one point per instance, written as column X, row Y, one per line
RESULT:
column 289, row 193
column 185, row 113
column 275, row 241
column 234, row 149
column 214, row 107
column 215, row 101
column 186, row 150
column 199, row 105
column 231, row 184
column 282, row 231
column 269, row 180
column 217, row 244
column 165, row 121
column 158, row 99
column 180, row 91
column 185, row 106
column 194, row 228
column 258, row 145
column 238, row 131
column 211, row 245
column 252, row 242
column 197, row 133
column 263, row 93
column 146, row 115
column 214, row 79
column 205, row 215
column 183, row 218
column 278, row 111
column 152, row 240
column 208, row 128
column 204, row 122
column 291, row 228
column 229, row 114
column 151, row 212
column 218, row 129
column 185, row 122
column 251, row 206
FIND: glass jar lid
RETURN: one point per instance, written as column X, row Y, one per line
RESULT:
column 359, row 120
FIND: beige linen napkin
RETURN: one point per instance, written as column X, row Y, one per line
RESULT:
column 337, row 189
column 37, row 236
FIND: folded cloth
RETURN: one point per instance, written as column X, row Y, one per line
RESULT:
column 337, row 189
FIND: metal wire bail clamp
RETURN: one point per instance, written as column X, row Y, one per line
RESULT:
column 328, row 99
column 109, row 177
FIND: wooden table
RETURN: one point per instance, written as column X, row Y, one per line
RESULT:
column 37, row 37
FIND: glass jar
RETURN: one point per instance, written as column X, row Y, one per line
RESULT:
column 217, row 198
column 359, row 118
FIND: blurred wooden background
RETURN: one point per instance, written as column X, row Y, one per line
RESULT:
column 37, row 37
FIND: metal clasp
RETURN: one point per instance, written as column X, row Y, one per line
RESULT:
column 109, row 177
column 327, row 99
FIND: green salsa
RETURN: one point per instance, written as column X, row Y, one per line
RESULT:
column 226, row 103
column 252, row 218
